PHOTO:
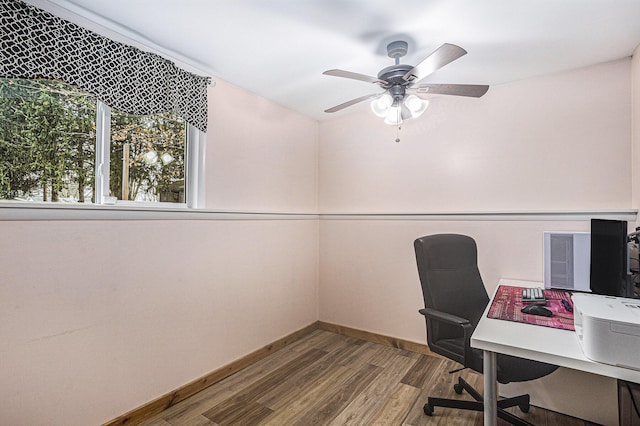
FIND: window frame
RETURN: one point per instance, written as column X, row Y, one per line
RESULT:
column 194, row 166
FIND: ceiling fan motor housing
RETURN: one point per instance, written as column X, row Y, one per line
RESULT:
column 397, row 92
column 397, row 49
column 392, row 77
column 394, row 74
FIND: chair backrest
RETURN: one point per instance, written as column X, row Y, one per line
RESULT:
column 451, row 283
column 450, row 279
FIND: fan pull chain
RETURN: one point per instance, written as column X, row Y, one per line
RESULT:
column 398, row 128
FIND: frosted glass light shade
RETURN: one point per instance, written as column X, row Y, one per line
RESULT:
column 393, row 116
column 415, row 105
column 381, row 105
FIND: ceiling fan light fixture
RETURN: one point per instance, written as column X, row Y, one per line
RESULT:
column 381, row 105
column 415, row 105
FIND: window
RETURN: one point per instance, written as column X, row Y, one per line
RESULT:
column 147, row 157
column 47, row 141
column 59, row 144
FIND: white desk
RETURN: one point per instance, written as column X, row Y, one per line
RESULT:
column 550, row 345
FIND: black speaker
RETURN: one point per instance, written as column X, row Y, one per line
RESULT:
column 609, row 257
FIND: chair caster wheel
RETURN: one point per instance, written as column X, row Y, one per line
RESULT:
column 524, row 408
column 458, row 388
column 428, row 410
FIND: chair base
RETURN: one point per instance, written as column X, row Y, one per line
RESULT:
column 521, row 402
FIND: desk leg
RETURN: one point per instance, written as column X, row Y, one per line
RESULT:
column 490, row 388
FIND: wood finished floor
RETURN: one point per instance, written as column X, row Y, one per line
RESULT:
column 331, row 379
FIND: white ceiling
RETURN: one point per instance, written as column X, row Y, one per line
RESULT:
column 279, row 48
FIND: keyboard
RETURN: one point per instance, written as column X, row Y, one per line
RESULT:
column 533, row 296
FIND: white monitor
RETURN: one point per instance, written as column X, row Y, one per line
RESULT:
column 567, row 260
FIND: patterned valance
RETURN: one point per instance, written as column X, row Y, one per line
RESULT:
column 37, row 44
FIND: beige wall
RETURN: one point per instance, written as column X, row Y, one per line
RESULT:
column 260, row 157
column 551, row 166
column 100, row 317
column 556, row 143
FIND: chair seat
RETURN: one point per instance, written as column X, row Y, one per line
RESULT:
column 514, row 369
column 510, row 368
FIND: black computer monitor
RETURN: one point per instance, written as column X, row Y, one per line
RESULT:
column 608, row 274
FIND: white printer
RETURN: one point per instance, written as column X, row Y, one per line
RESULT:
column 608, row 328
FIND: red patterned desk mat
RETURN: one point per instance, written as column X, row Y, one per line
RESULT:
column 508, row 302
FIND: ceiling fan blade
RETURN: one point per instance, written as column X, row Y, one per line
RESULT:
column 471, row 90
column 352, row 102
column 443, row 55
column 353, row 76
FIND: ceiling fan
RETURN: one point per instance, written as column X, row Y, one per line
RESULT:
column 401, row 83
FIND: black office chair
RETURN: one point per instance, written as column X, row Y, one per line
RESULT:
column 455, row 299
